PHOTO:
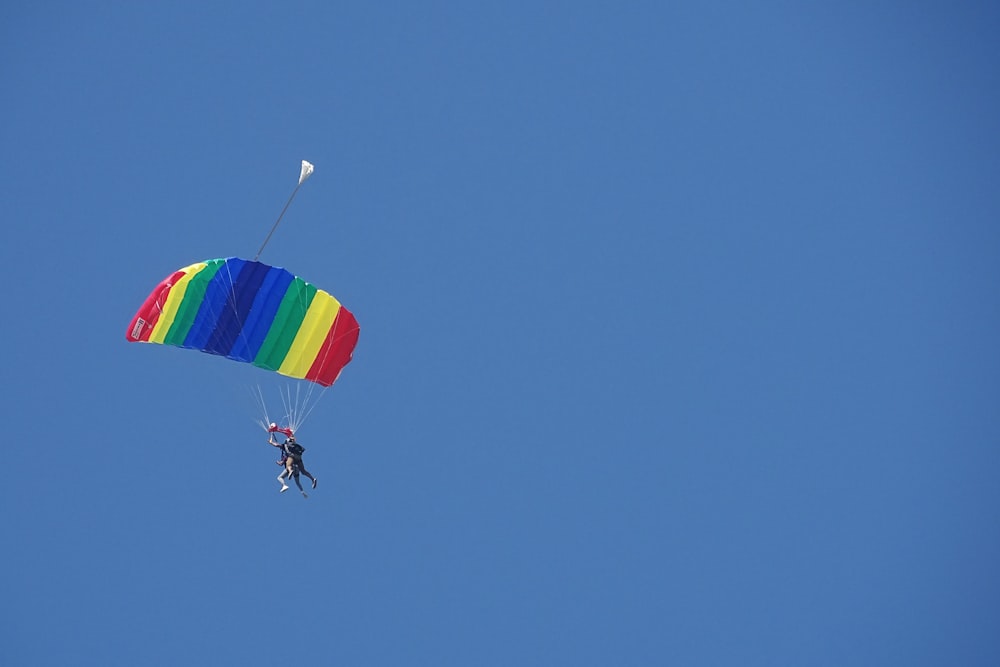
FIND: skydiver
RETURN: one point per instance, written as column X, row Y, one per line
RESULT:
column 283, row 460
column 291, row 459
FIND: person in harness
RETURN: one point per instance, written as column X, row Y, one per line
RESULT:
column 291, row 459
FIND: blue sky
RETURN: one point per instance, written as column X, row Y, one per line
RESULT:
column 678, row 333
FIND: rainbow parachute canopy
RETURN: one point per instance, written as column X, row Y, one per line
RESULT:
column 250, row 312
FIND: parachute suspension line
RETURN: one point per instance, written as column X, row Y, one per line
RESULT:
column 258, row 397
column 291, row 405
column 307, row 170
column 298, row 406
column 303, row 404
column 313, row 405
column 285, row 393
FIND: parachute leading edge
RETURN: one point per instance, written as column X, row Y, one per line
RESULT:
column 253, row 313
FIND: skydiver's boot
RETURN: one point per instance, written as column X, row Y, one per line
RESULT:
column 314, row 482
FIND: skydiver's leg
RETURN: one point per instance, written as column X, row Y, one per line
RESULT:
column 281, row 478
column 308, row 474
column 297, row 482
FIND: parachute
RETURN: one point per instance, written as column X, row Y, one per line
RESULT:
column 252, row 313
column 255, row 314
